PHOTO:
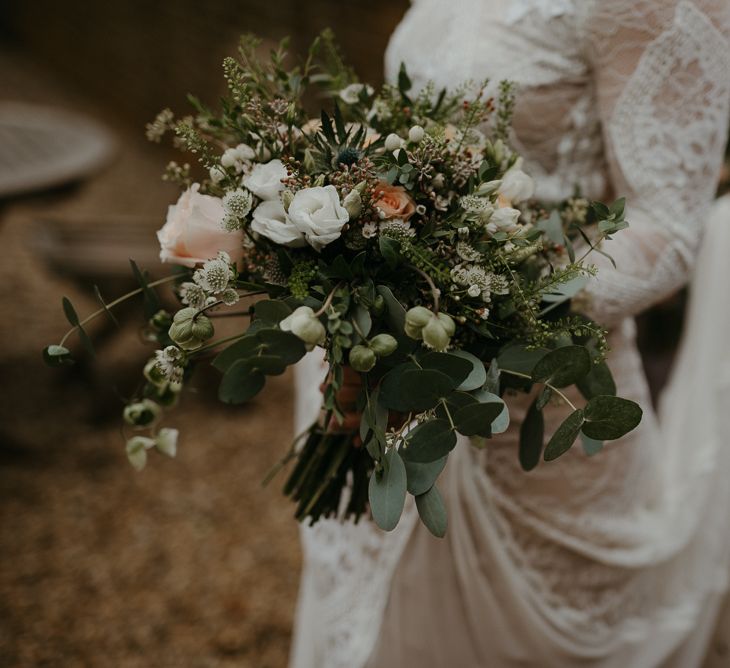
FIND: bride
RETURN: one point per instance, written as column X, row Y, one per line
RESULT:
column 620, row 559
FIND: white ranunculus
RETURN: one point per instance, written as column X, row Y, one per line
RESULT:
column 318, row 215
column 505, row 219
column 306, row 325
column 351, row 94
column 264, row 181
column 517, row 186
column 270, row 220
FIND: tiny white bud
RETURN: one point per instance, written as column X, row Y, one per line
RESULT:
column 415, row 134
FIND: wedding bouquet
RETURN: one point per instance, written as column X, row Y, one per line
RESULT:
column 398, row 231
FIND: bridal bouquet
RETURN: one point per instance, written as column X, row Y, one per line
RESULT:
column 398, row 231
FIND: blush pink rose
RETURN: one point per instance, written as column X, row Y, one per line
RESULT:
column 393, row 201
column 193, row 232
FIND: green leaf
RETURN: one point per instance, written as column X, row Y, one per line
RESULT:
column 112, row 317
column 608, row 418
column 532, row 433
column 396, row 314
column 598, row 381
column 390, row 250
column 543, row 398
column 151, row 301
column 429, row 441
column 387, row 491
column 478, row 374
column 492, row 382
column 240, row 383
column 476, row 419
column 272, row 311
column 565, row 436
column 286, row 345
column 243, row 349
column 414, row 390
column 500, row 424
column 57, row 355
column 363, row 319
column 552, row 227
column 455, row 367
column 404, row 81
column 70, row 312
column 564, row 291
column 432, row 512
column 590, row 445
column 563, row 366
column 271, row 365
column 422, row 475
column 517, row 357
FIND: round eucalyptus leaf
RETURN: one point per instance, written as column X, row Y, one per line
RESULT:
column 387, row 491
column 432, row 512
column 454, row 366
column 422, row 475
column 429, row 441
column 598, row 381
column 478, row 374
column 271, row 365
column 286, row 345
column 608, row 418
column 563, row 366
column 414, row 389
column 517, row 357
column 476, row 419
column 565, row 436
column 532, row 433
column 243, row 349
column 240, row 383
column 500, row 424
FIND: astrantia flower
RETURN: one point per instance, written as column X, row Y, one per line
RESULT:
column 215, row 274
column 397, row 228
column 193, row 295
column 237, row 203
column 467, row 252
column 170, row 363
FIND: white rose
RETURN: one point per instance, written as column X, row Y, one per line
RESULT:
column 264, row 181
column 318, row 215
column 505, row 219
column 351, row 94
column 517, row 186
column 270, row 220
column 304, row 324
column 193, row 232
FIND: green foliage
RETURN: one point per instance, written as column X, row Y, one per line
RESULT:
column 387, row 491
column 432, row 512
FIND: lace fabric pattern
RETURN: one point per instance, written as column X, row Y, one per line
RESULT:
column 583, row 561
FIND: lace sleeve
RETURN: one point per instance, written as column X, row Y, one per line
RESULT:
column 660, row 69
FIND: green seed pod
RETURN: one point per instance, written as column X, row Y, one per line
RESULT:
column 185, row 315
column 181, row 332
column 448, row 323
column 435, row 335
column 383, row 345
column 142, row 413
column 379, row 304
column 418, row 316
column 203, row 328
column 153, row 374
column 362, row 358
column 353, row 204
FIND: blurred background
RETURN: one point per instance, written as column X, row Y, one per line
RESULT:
column 191, row 562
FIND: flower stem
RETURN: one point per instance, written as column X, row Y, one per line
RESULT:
column 434, row 290
column 328, row 301
column 116, row 302
column 552, row 387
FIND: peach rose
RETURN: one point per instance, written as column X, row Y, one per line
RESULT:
column 393, row 201
column 193, row 232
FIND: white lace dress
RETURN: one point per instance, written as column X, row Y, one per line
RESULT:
column 609, row 561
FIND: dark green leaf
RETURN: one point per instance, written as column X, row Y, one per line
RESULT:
column 240, row 383
column 390, row 250
column 429, row 441
column 608, row 418
column 565, row 436
column 272, row 311
column 476, row 419
column 500, row 424
column 271, row 365
column 414, row 389
column 404, row 81
column 478, row 374
column 542, row 399
column 243, row 349
column 396, row 313
column 363, row 320
column 517, row 357
column 598, row 381
column 286, row 345
column 387, row 491
column 532, row 433
column 455, row 367
column 422, row 475
column 432, row 512
column 563, row 366
column 112, row 317
column 70, row 312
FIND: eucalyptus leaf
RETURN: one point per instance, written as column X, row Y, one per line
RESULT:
column 500, row 424
column 478, row 374
column 240, row 383
column 273, row 311
column 590, row 445
column 608, row 418
column 70, row 312
column 476, row 419
column 454, row 366
column 532, row 434
column 363, row 320
column 390, row 250
column 414, row 390
column 517, row 357
column 432, row 512
column 243, row 349
column 429, row 441
column 387, row 491
column 598, row 381
column 423, row 475
column 565, row 435
column 563, row 366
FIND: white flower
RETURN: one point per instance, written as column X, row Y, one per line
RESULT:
column 264, row 181
column 516, row 185
column 215, row 274
column 351, row 94
column 474, row 290
column 191, row 294
column 216, row 174
column 369, row 230
column 245, row 152
column 505, row 219
column 166, row 441
column 237, row 202
column 270, row 221
column 318, row 215
column 304, row 324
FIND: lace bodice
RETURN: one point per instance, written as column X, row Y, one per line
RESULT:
column 630, row 98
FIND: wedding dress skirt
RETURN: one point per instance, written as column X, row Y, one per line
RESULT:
column 614, row 560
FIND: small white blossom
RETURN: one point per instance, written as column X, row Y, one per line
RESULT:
column 215, row 274
column 397, row 226
column 229, row 297
column 192, row 294
column 351, row 94
column 467, row 252
column 416, row 134
column 369, row 230
column 217, row 174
